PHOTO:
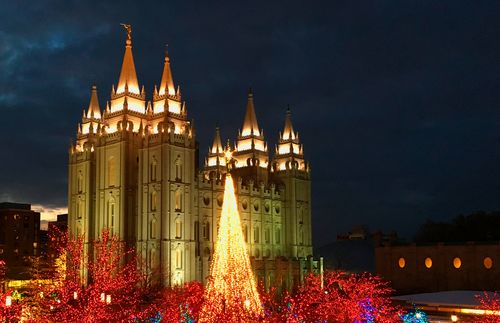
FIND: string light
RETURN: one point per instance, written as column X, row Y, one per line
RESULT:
column 231, row 292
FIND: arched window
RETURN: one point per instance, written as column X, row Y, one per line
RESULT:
column 152, row 259
column 206, row 231
column 152, row 229
column 245, row 232
column 111, row 215
column 277, row 238
column 301, row 234
column 178, row 258
column 178, row 169
column 80, row 182
column 256, row 234
column 267, row 235
column 178, row 200
column 178, row 229
column 111, row 171
column 154, row 168
column 154, row 200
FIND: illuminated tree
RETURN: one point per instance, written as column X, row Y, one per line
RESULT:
column 112, row 292
column 490, row 303
column 10, row 310
column 231, row 293
column 344, row 297
column 181, row 303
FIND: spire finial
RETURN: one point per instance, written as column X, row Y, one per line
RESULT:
column 167, row 58
column 250, row 92
column 128, row 28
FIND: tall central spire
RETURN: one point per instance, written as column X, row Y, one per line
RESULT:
column 128, row 76
column 250, row 126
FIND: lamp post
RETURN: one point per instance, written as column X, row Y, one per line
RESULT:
column 8, row 301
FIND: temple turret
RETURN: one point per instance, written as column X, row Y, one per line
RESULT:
column 215, row 163
column 167, row 102
column 167, row 82
column 251, row 149
column 91, row 118
column 289, row 151
column 94, row 111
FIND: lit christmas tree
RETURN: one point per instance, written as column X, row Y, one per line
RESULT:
column 231, row 293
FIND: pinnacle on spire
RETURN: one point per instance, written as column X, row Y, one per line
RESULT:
column 128, row 75
column 250, row 126
column 167, row 82
column 94, row 111
column 217, row 144
column 288, row 132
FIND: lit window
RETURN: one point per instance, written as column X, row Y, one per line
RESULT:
column 178, row 229
column 206, row 231
column 178, row 258
column 428, row 262
column 178, row 200
column 402, row 262
column 245, row 232
column 154, row 201
column 457, row 263
column 488, row 263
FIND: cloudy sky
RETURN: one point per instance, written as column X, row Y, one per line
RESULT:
column 397, row 102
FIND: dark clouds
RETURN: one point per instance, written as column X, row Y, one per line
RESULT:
column 396, row 101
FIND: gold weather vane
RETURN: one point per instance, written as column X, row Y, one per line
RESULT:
column 128, row 28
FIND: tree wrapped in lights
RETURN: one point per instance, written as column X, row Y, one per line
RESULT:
column 490, row 303
column 344, row 298
column 231, row 292
column 111, row 294
column 181, row 303
column 10, row 310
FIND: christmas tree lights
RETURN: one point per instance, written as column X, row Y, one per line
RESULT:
column 231, row 292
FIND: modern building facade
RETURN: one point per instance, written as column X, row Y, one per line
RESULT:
column 133, row 170
column 19, row 238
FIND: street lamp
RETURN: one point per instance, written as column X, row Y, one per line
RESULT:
column 108, row 299
column 8, row 301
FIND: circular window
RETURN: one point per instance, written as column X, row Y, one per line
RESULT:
column 428, row 262
column 206, row 200
column 488, row 263
column 244, row 204
column 401, row 262
column 457, row 263
column 219, row 200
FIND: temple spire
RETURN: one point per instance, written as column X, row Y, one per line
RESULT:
column 94, row 111
column 167, row 82
column 250, row 126
column 217, row 145
column 128, row 75
column 288, row 132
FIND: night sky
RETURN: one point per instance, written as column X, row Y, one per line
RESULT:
column 396, row 102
